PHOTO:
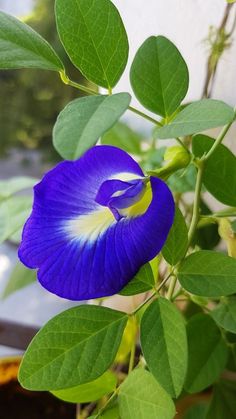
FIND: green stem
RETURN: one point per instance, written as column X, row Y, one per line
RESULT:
column 171, row 288
column 196, row 203
column 145, row 116
column 132, row 356
column 107, row 403
column 182, row 144
column 219, row 140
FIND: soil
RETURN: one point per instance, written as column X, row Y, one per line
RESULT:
column 17, row 403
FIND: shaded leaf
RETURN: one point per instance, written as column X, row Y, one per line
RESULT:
column 225, row 314
column 142, row 282
column 13, row 214
column 20, row 278
column 177, row 240
column 123, row 137
column 223, row 403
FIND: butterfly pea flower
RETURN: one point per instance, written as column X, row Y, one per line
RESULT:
column 94, row 223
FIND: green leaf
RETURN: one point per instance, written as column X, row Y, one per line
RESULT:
column 95, row 39
column 183, row 180
column 196, row 117
column 13, row 214
column 89, row 392
column 11, row 186
column 73, row 348
column 123, row 137
column 84, row 120
column 142, row 282
column 22, row 47
column 198, row 411
column 111, row 412
column 223, row 404
column 159, row 76
column 177, row 240
column 20, row 278
column 164, row 344
column 207, row 353
column 208, row 273
column 206, row 235
column 219, row 176
column 225, row 314
column 141, row 396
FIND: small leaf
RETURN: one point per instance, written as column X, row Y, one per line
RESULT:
column 219, row 176
column 123, row 137
column 208, row 273
column 225, row 314
column 164, row 344
column 142, row 282
column 11, row 186
column 84, row 120
column 198, row 411
column 159, row 76
column 141, row 396
column 94, row 37
column 13, row 214
column 73, row 348
column 22, row 47
column 196, row 117
column 207, row 353
column 223, row 403
column 89, row 392
column 177, row 240
column 20, row 278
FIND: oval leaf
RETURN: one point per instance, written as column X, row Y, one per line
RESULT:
column 94, row 37
column 177, row 240
column 122, row 136
column 142, row 282
column 22, row 47
column 84, row 120
column 89, row 392
column 225, row 314
column 159, row 76
column 73, row 348
column 164, row 344
column 208, row 273
column 207, row 353
column 141, row 396
column 219, row 176
column 196, row 117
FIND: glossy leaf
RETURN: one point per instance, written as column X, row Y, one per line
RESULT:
column 177, row 240
column 196, row 117
column 219, row 176
column 20, row 278
column 11, row 186
column 142, row 282
column 164, row 344
column 84, row 120
column 159, row 76
column 22, row 47
column 13, row 214
column 223, row 403
column 207, row 353
column 225, row 314
column 89, row 392
column 94, row 37
column 141, row 396
column 122, row 136
column 73, row 348
column 208, row 273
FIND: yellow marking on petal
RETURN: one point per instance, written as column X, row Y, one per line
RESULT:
column 141, row 206
column 90, row 226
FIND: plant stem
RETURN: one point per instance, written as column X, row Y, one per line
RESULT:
column 171, row 288
column 219, row 139
column 132, row 356
column 145, row 116
column 196, row 203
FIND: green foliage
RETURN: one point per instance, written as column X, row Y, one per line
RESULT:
column 22, row 47
column 20, row 277
column 84, row 120
column 159, row 76
column 123, row 137
column 89, row 392
column 208, row 273
column 164, row 345
column 95, row 39
column 225, row 314
column 142, row 282
column 196, row 117
column 198, row 411
column 223, row 401
column 15, row 184
column 207, row 353
column 13, row 213
column 220, row 170
column 68, row 350
column 141, row 396
column 176, row 243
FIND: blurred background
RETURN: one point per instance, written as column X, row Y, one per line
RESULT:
column 30, row 100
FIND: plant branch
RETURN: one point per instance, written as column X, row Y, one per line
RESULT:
column 219, row 139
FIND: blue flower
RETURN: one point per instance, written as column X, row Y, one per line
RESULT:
column 94, row 223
